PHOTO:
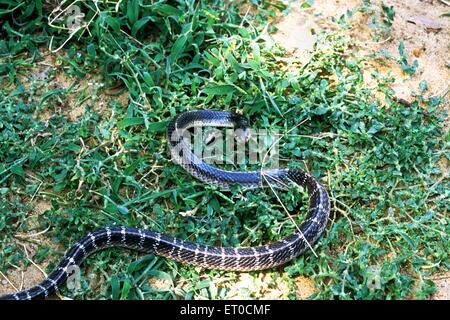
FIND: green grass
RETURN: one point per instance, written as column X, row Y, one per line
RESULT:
column 379, row 159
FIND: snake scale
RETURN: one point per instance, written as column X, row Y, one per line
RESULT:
column 210, row 257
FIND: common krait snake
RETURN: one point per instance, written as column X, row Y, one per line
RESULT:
column 211, row 257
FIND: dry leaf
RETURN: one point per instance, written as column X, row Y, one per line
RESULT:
column 418, row 51
column 189, row 213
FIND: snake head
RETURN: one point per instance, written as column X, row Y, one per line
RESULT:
column 242, row 135
column 241, row 128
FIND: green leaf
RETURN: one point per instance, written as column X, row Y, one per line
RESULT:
column 307, row 4
column 219, row 90
column 132, row 11
column 113, row 23
column 159, row 126
column 123, row 210
column 256, row 52
column 167, row 10
column 130, row 169
column 139, row 24
column 39, row 7
column 423, row 86
column 126, row 289
column 148, row 79
column 115, row 287
column 178, row 48
column 18, row 170
column 234, row 63
column 130, row 122
column 320, row 110
column 91, row 50
column 401, row 48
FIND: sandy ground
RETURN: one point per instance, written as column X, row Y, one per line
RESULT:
column 17, row 278
column 443, row 287
column 428, row 46
column 426, row 40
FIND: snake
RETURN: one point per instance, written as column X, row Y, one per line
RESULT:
column 237, row 259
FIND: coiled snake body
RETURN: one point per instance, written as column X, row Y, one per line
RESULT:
column 211, row 257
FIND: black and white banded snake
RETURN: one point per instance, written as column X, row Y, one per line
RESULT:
column 210, row 257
